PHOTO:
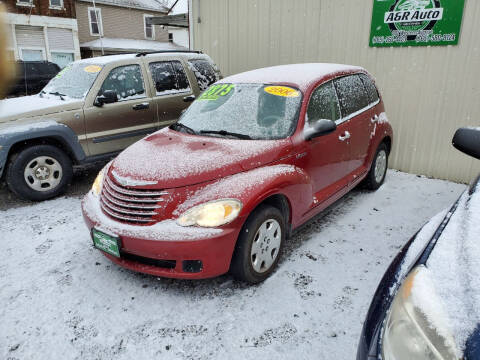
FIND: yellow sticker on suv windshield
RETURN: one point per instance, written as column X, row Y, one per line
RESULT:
column 92, row 68
column 282, row 91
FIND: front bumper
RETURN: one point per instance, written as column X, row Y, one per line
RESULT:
column 146, row 248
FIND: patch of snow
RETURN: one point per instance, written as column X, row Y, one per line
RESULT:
column 149, row 161
column 62, row 299
column 454, row 269
column 166, row 230
column 20, row 128
column 26, row 105
column 301, row 74
column 131, row 45
column 128, row 181
column 234, row 186
column 155, row 5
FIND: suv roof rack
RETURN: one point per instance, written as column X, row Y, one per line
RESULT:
column 168, row 51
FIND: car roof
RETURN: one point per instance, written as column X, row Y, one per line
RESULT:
column 101, row 60
column 299, row 75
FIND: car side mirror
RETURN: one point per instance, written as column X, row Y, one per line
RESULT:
column 467, row 140
column 108, row 97
column 320, row 128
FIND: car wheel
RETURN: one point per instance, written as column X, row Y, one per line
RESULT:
column 39, row 172
column 378, row 170
column 259, row 245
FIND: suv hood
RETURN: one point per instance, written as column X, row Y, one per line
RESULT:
column 30, row 106
column 169, row 159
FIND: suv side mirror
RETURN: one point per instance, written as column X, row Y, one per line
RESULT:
column 467, row 140
column 108, row 97
column 320, row 128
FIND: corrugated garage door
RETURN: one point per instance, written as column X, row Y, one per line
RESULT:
column 30, row 36
column 60, row 39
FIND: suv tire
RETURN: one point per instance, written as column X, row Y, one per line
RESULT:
column 39, row 172
column 259, row 245
column 378, row 170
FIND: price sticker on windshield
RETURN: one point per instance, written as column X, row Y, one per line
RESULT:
column 92, row 69
column 217, row 91
column 284, row 91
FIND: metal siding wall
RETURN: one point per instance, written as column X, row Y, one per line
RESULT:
column 428, row 91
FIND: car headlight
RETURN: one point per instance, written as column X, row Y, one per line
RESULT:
column 408, row 334
column 211, row 214
column 97, row 184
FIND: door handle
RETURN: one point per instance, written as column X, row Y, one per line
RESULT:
column 141, row 106
column 374, row 119
column 345, row 136
column 189, row 98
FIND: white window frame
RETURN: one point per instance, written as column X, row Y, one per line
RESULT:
column 145, row 16
column 69, row 51
column 28, row 3
column 21, row 48
column 56, row 7
column 99, row 21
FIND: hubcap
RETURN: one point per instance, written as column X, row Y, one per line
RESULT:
column 380, row 165
column 266, row 245
column 43, row 173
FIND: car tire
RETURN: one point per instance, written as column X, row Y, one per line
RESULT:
column 378, row 170
column 39, row 172
column 259, row 245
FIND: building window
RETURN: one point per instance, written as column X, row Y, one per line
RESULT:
column 56, row 4
column 32, row 54
column 95, row 19
column 62, row 59
column 25, row 3
column 149, row 29
column 170, row 37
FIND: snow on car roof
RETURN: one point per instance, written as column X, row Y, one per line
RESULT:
column 300, row 75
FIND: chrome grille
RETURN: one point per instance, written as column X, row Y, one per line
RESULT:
column 137, row 206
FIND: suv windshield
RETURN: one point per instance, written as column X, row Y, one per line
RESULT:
column 256, row 111
column 74, row 81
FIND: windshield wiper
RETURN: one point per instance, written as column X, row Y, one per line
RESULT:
column 226, row 133
column 58, row 94
column 177, row 126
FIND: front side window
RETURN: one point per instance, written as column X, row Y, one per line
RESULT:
column 204, row 73
column 149, row 29
column 323, row 104
column 169, row 77
column 126, row 81
column 257, row 111
column 95, row 19
column 74, row 81
column 351, row 94
column 56, row 3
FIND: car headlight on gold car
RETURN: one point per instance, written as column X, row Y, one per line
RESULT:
column 211, row 214
column 97, row 184
column 408, row 334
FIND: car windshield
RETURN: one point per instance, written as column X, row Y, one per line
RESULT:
column 73, row 81
column 256, row 111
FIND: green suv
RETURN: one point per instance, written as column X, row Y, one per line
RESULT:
column 90, row 111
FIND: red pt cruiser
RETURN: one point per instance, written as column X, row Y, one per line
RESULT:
column 254, row 157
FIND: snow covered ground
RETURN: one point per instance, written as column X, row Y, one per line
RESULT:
column 61, row 299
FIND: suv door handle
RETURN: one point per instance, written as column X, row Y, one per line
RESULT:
column 189, row 98
column 345, row 136
column 141, row 106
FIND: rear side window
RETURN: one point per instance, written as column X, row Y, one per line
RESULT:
column 372, row 92
column 169, row 77
column 204, row 72
column 351, row 94
column 126, row 81
column 323, row 104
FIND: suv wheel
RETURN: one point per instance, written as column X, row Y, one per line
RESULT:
column 39, row 172
column 378, row 170
column 259, row 245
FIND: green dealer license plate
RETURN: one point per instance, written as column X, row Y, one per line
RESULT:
column 105, row 242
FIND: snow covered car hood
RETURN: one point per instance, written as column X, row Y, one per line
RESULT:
column 169, row 159
column 447, row 289
column 30, row 106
